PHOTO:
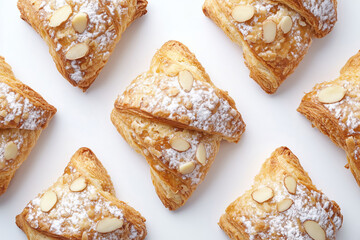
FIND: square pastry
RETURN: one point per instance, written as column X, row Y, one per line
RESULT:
column 176, row 117
column 274, row 35
column 81, row 34
column 283, row 203
column 334, row 108
column 23, row 116
column 81, row 205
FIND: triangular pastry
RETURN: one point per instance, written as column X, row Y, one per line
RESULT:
column 23, row 116
column 283, row 203
column 275, row 35
column 81, row 34
column 334, row 108
column 81, row 205
column 176, row 117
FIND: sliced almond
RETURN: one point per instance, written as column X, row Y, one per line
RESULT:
column 331, row 94
column 302, row 23
column 290, row 184
column 262, row 194
column 80, row 22
column 10, row 151
column 48, row 201
column 243, row 13
column 77, row 51
column 284, row 205
column 2, row 165
column 179, row 144
column 84, row 236
column 60, row 15
column 314, row 230
column 78, row 184
column 107, row 225
column 286, row 24
column 187, row 168
column 201, row 154
column 186, row 80
column 269, row 31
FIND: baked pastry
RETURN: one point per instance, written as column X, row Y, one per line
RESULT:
column 81, row 35
column 23, row 116
column 81, row 205
column 275, row 35
column 283, row 203
column 176, row 117
column 333, row 107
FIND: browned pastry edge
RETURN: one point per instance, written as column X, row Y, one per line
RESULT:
column 281, row 159
column 260, row 71
column 27, row 10
column 85, row 161
column 322, row 119
column 7, row 76
column 310, row 18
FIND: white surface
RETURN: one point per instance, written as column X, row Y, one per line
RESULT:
column 272, row 121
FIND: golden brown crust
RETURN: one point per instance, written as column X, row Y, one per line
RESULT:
column 155, row 109
column 108, row 20
column 338, row 120
column 24, row 114
column 270, row 63
column 39, row 225
column 245, row 218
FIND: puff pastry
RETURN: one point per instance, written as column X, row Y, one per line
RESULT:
column 23, row 116
column 81, row 34
column 176, row 117
column 81, row 205
column 275, row 35
column 283, row 203
column 334, row 108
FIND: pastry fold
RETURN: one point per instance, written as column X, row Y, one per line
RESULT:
column 81, row 205
column 176, row 117
column 274, row 35
column 333, row 107
column 283, row 203
column 23, row 116
column 81, row 35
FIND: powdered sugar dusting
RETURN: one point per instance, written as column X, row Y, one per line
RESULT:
column 162, row 96
column 16, row 108
column 76, row 212
column 308, row 205
column 323, row 10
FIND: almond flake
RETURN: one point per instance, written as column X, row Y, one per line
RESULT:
column 269, row 31
column 290, row 184
column 314, row 230
column 187, row 168
column 286, row 24
column 284, row 205
column 48, row 201
column 179, row 144
column 107, row 225
column 262, row 194
column 186, row 80
column 243, row 13
column 201, row 154
column 11, row 151
column 78, row 184
column 77, row 51
column 331, row 94
column 60, row 15
column 80, row 22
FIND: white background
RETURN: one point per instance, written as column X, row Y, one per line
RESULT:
column 83, row 119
